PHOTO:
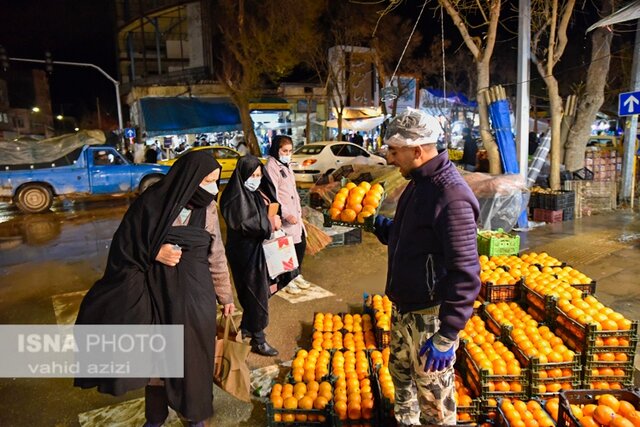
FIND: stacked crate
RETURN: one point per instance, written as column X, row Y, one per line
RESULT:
column 608, row 355
column 605, row 164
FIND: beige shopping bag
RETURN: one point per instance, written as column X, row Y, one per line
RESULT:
column 230, row 370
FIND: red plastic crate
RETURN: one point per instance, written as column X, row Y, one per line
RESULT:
column 547, row 215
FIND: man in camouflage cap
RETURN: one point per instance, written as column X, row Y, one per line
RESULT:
column 433, row 270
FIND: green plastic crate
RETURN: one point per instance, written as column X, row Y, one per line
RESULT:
column 490, row 245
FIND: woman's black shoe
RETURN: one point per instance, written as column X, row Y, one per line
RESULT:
column 264, row 349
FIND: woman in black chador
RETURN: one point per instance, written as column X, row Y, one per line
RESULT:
column 244, row 206
column 167, row 265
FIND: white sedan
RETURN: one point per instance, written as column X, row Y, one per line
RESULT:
column 311, row 161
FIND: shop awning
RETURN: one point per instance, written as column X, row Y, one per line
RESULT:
column 269, row 104
column 179, row 116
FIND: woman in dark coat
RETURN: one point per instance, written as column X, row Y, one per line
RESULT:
column 244, row 206
column 148, row 280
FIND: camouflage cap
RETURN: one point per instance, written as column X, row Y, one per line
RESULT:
column 411, row 128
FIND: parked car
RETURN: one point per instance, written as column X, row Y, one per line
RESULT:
column 311, row 161
column 90, row 170
column 227, row 157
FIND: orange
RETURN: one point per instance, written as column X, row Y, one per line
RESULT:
column 609, row 325
column 588, row 421
column 341, row 409
column 371, row 201
column 625, row 408
column 350, row 186
column 624, row 325
column 365, row 185
column 634, row 417
column 363, row 215
column 291, row 403
column 348, row 215
column 621, row 357
column 354, row 410
column 610, row 401
column 305, row 403
column 356, row 207
column 588, row 409
column 604, row 414
column 334, row 213
column 377, row 188
column 277, row 401
column 338, row 204
column 621, row 422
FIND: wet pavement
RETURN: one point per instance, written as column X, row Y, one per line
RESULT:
column 48, row 261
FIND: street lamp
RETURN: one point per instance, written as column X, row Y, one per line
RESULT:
column 36, row 109
column 60, row 117
column 76, row 129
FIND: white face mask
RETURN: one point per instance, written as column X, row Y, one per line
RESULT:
column 285, row 159
column 211, row 187
column 252, row 183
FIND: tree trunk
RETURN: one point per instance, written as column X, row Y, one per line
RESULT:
column 593, row 97
column 247, row 127
column 490, row 145
column 555, row 103
column 340, row 111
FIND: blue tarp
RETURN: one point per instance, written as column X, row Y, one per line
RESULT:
column 178, row 116
column 501, row 123
column 453, row 97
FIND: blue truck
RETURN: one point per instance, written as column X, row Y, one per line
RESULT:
column 86, row 171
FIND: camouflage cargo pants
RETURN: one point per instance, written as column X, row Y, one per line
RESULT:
column 421, row 397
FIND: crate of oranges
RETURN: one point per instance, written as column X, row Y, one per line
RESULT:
column 309, row 366
column 355, row 205
column 301, row 404
column 522, row 413
column 588, row 326
column 343, row 331
column 467, row 407
column 552, row 366
column 380, row 307
column 353, row 397
column 594, row 408
column 501, row 277
column 492, row 371
column 383, row 385
column 607, row 375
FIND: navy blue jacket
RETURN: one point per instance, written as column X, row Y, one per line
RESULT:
column 433, row 256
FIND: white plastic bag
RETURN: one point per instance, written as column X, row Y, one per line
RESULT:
column 280, row 254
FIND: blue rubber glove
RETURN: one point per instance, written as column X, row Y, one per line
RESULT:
column 381, row 221
column 436, row 360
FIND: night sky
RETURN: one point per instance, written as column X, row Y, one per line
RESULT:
column 83, row 31
column 72, row 30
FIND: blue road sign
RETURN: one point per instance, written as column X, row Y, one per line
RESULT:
column 629, row 103
column 130, row 133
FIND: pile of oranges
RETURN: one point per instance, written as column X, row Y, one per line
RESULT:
column 382, row 308
column 492, row 356
column 310, row 366
column 463, row 398
column 380, row 360
column 356, row 202
column 543, row 259
column 353, row 395
column 591, row 311
column 525, row 414
column 311, row 395
column 502, row 269
column 510, row 314
column 607, row 410
column 352, row 332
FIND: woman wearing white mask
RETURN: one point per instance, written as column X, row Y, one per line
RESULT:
column 281, row 175
column 244, row 205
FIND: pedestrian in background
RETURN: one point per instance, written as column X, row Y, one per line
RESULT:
column 470, row 151
column 167, row 265
column 433, row 270
column 244, row 205
column 279, row 170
